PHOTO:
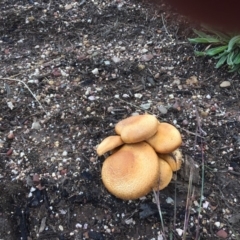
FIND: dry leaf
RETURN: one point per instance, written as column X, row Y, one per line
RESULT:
column 190, row 166
column 192, row 81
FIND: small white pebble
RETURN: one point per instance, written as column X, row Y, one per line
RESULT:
column 116, row 59
column 95, row 71
column 122, row 49
column 144, row 50
column 36, row 125
column 208, row 96
column 91, row 98
column 160, row 237
column 217, row 224
column 145, row 106
column 32, row 189
column 107, row 62
column 63, row 212
column 129, row 221
column 88, row 91
column 135, row 114
column 162, row 109
column 105, row 227
column 78, row 225
column 64, row 153
column 14, row 171
column 22, row 154
column 205, row 204
column 138, row 95
column 169, row 200
column 179, row 231
column 63, row 73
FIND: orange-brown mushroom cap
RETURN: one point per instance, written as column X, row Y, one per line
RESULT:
column 108, row 144
column 174, row 159
column 167, row 138
column 132, row 171
column 165, row 175
column 137, row 128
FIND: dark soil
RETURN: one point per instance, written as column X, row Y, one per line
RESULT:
column 69, row 71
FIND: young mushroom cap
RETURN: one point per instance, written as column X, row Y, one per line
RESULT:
column 108, row 144
column 137, row 128
column 174, row 159
column 132, row 171
column 165, row 175
column 167, row 138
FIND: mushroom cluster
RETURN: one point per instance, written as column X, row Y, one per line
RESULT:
column 144, row 154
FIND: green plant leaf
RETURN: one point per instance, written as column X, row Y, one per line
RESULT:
column 199, row 54
column 221, row 61
column 224, row 47
column 237, row 59
column 235, row 68
column 230, row 59
column 232, row 42
column 224, row 37
column 204, row 40
column 216, row 50
column 220, row 55
column 201, row 34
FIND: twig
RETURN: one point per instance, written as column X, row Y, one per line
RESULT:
column 165, row 27
column 237, row 236
column 199, row 129
column 133, row 105
column 192, row 133
column 17, row 80
column 175, row 205
column 190, row 197
column 233, row 172
column 156, row 196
